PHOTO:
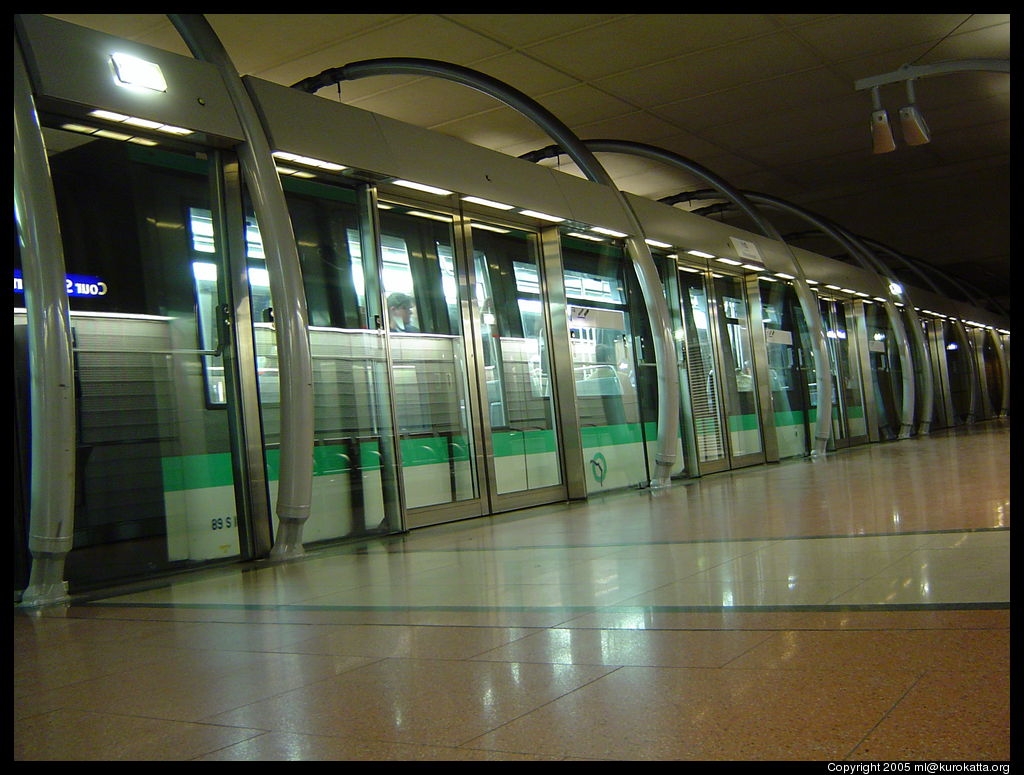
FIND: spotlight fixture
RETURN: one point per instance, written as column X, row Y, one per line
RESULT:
column 881, row 133
column 915, row 130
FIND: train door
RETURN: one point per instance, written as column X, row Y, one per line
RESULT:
column 521, row 438
column 605, row 333
column 699, row 358
column 426, row 291
column 886, row 370
column 158, row 484
column 721, row 373
column 943, row 415
column 849, row 425
column 354, row 488
column 788, row 351
column 959, row 369
column 989, row 373
column 736, row 361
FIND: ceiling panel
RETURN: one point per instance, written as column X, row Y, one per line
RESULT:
column 720, row 68
column 642, row 39
column 765, row 100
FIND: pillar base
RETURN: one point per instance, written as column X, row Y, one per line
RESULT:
column 288, row 544
column 46, row 585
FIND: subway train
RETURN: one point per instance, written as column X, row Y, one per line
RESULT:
column 478, row 335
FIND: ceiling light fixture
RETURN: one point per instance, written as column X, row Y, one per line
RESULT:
column 132, row 71
column 422, row 187
column 881, row 133
column 487, row 203
column 915, row 130
column 542, row 216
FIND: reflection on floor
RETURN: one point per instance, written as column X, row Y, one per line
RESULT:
column 852, row 608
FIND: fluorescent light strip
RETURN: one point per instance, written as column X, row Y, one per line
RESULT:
column 609, row 232
column 699, row 254
column 432, row 216
column 309, row 161
column 120, row 118
column 422, row 187
column 488, row 227
column 91, row 130
column 542, row 216
column 590, row 237
column 655, row 244
column 487, row 203
column 729, row 261
column 754, row 267
column 785, row 276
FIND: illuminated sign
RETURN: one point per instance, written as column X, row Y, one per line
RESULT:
column 76, row 285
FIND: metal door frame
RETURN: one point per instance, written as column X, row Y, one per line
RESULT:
column 723, row 463
column 487, row 467
column 715, row 310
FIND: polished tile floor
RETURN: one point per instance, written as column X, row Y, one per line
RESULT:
column 852, row 608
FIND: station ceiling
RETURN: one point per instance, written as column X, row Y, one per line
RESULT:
column 766, row 101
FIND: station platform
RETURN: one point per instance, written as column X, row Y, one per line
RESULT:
column 850, row 608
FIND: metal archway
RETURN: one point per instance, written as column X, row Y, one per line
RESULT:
column 647, row 272
column 808, row 304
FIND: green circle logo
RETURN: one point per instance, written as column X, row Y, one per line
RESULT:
column 599, row 467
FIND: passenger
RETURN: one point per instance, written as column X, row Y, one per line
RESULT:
column 400, row 307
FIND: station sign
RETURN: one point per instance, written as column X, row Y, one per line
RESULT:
column 78, row 285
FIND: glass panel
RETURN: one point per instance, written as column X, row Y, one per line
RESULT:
column 737, row 367
column 352, row 431
column 835, row 337
column 993, row 376
column 849, row 375
column 700, row 365
column 786, row 338
column 515, row 348
column 885, row 368
column 155, row 485
column 428, row 357
column 601, row 337
column 959, row 373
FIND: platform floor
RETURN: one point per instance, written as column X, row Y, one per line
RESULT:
column 852, row 608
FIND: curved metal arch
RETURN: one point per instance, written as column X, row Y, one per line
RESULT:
column 640, row 254
column 291, row 319
column 52, row 395
column 958, row 327
column 867, row 262
column 808, row 303
column 917, row 334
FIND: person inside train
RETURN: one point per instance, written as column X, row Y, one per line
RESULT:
column 400, row 311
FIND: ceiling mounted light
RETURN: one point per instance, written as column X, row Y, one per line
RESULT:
column 542, row 216
column 609, row 232
column 487, row 202
column 915, row 130
column 132, row 71
column 881, row 133
column 699, row 254
column 422, row 187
